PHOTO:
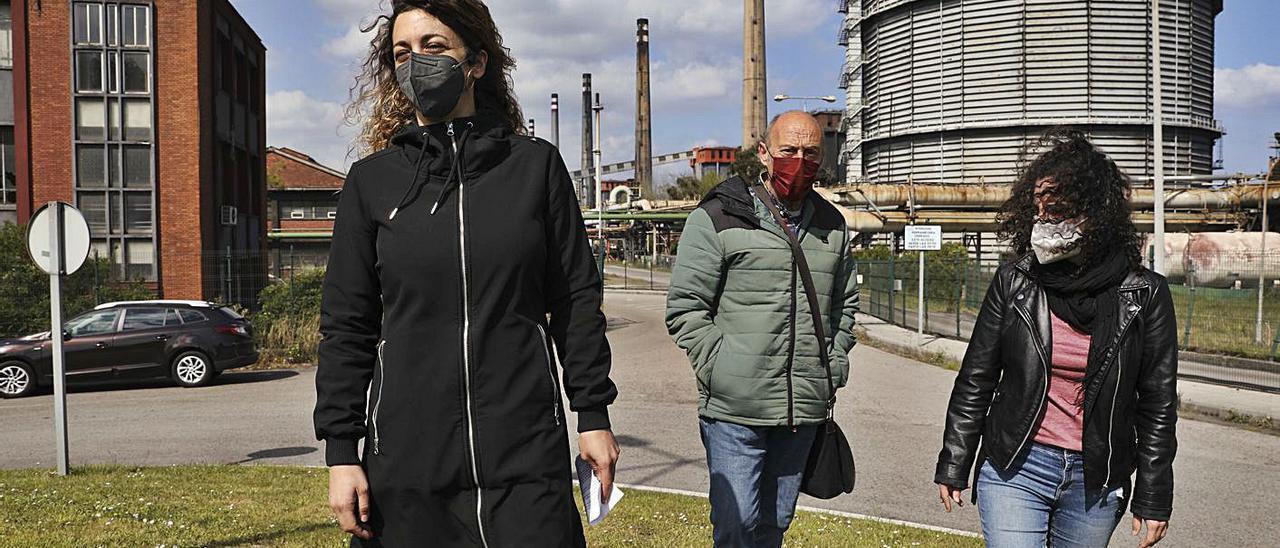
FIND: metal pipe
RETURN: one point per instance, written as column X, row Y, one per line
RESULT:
column 985, row 221
column 1262, row 269
column 1157, row 128
column 992, row 196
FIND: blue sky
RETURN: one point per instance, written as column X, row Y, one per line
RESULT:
column 696, row 47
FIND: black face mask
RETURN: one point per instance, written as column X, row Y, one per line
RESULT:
column 433, row 83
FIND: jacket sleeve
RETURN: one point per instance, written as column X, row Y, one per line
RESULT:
column 574, row 299
column 1156, row 411
column 694, row 292
column 350, row 325
column 974, row 388
column 847, row 306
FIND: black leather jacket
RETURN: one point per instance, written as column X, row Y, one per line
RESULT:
column 1130, row 408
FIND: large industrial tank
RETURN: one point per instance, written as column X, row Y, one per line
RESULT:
column 951, row 90
column 1221, row 259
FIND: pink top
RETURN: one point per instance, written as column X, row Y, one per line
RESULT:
column 1063, row 423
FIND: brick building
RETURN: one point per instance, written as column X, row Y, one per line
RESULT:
column 302, row 202
column 716, row 160
column 150, row 117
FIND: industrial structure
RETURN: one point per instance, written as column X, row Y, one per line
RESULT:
column 754, row 103
column 644, row 118
column 586, row 182
column 951, row 91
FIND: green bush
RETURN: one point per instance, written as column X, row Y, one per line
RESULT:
column 288, row 320
column 24, row 288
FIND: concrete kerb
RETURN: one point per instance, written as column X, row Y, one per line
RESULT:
column 1250, row 409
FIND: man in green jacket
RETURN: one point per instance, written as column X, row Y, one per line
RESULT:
column 737, row 306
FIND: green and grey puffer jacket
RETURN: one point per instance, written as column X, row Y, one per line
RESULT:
column 737, row 307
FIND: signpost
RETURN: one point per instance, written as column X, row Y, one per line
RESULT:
column 58, row 240
column 922, row 238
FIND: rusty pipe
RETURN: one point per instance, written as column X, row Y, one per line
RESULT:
column 992, row 196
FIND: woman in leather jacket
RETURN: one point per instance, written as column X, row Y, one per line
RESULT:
column 1068, row 384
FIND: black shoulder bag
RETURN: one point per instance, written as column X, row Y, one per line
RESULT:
column 829, row 471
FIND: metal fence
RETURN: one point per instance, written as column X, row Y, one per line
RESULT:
column 1223, row 334
column 637, row 259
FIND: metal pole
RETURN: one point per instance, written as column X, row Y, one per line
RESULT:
column 1262, row 265
column 1157, row 127
column 599, row 129
column 920, row 301
column 55, row 336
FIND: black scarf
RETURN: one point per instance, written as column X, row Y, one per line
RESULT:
column 1088, row 299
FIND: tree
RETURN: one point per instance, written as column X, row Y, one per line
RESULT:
column 746, row 164
column 688, row 187
column 24, row 288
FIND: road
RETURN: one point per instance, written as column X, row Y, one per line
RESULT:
column 892, row 413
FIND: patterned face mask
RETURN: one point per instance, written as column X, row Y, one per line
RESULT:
column 1055, row 241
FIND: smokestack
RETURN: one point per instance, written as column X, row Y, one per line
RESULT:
column 555, row 119
column 644, row 120
column 585, row 184
column 532, row 133
column 754, row 115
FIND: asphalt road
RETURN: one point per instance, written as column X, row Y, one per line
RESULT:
column 892, row 413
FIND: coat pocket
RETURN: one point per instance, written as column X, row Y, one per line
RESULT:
column 377, row 402
column 551, row 370
column 703, row 372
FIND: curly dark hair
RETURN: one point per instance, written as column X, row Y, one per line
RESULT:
column 1089, row 185
column 377, row 104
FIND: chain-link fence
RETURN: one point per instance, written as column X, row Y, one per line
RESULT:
column 1224, row 335
column 638, row 258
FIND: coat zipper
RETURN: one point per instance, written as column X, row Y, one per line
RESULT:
column 466, row 338
column 382, row 380
column 1115, row 395
column 1044, row 363
column 551, row 369
column 791, row 357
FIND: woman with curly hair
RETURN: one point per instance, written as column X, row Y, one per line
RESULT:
column 459, row 262
column 1068, row 383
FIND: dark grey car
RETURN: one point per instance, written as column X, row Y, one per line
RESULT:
column 187, row 341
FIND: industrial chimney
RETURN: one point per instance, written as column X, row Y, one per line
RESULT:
column 585, row 187
column 644, row 120
column 555, row 119
column 754, row 116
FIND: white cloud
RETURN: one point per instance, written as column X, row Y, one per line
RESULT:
column 1256, row 85
column 303, row 123
column 696, row 59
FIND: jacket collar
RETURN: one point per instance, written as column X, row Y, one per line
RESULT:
column 737, row 199
column 482, row 140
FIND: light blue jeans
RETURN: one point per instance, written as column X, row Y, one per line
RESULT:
column 1042, row 501
column 755, row 480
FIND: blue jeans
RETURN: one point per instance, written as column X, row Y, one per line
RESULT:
column 1042, row 501
column 755, row 480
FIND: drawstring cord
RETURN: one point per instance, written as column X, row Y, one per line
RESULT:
column 455, row 169
column 413, row 183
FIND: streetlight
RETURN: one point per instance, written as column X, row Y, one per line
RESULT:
column 804, row 100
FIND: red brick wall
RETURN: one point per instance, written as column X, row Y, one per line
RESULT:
column 306, row 225
column 179, row 150
column 290, row 173
column 48, row 36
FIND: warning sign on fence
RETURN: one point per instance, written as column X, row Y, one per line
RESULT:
column 923, row 238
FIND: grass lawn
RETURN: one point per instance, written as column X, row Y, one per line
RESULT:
column 278, row 506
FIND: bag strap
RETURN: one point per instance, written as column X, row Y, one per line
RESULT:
column 811, row 294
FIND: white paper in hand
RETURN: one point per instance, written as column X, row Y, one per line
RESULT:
column 589, row 484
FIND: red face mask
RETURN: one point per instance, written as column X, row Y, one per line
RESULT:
column 792, row 178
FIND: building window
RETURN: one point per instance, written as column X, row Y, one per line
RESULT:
column 113, row 111
column 6, row 37
column 8, row 177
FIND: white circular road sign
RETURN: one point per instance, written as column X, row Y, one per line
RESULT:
column 75, row 238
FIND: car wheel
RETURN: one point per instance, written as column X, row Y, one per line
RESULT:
column 192, row 368
column 16, row 380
